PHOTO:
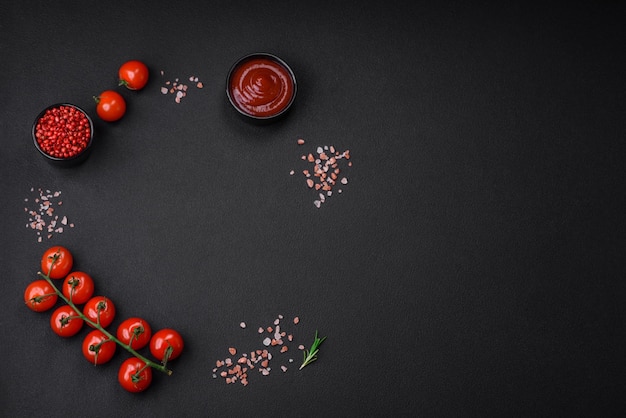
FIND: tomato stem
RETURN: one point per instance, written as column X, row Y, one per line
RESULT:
column 96, row 325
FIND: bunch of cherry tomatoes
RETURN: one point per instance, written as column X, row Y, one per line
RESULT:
column 110, row 105
column 98, row 312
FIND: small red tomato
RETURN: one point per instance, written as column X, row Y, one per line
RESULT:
column 99, row 309
column 40, row 296
column 56, row 262
column 166, row 344
column 110, row 106
column 78, row 287
column 65, row 322
column 134, row 375
column 133, row 75
column 134, row 332
column 98, row 348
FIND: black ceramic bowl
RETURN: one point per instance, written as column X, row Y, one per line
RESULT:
column 261, row 87
column 65, row 128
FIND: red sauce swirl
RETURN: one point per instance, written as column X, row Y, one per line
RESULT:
column 261, row 87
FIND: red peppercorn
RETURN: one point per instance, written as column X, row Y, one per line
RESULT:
column 63, row 131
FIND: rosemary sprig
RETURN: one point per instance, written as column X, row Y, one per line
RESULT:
column 311, row 355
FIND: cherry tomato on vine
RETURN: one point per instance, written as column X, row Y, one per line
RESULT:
column 57, row 261
column 166, row 343
column 134, row 375
column 98, row 348
column 65, row 322
column 135, row 332
column 110, row 106
column 133, row 75
column 40, row 296
column 78, row 287
column 100, row 309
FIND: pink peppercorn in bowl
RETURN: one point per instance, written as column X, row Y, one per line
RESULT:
column 63, row 134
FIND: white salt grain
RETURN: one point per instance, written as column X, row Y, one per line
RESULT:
column 242, row 324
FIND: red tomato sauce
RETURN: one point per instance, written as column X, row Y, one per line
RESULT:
column 261, row 87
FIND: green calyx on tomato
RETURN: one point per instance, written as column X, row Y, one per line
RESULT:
column 134, row 332
column 56, row 262
column 78, row 287
column 98, row 348
column 110, row 105
column 100, row 310
column 134, row 375
column 166, row 344
column 133, row 75
column 40, row 296
column 65, row 321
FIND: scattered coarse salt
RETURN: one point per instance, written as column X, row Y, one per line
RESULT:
column 179, row 88
column 326, row 170
column 43, row 217
column 236, row 367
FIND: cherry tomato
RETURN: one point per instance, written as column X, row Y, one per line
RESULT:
column 134, row 375
column 40, row 296
column 135, row 332
column 110, row 106
column 65, row 322
column 99, row 309
column 78, row 287
column 133, row 75
column 98, row 348
column 57, row 262
column 166, row 344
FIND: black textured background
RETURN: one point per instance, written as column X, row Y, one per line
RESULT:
column 472, row 266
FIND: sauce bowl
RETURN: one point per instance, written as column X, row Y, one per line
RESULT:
column 261, row 87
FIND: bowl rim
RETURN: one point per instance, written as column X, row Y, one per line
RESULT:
column 274, row 58
column 51, row 157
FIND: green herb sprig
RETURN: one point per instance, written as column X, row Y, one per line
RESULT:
column 311, row 355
